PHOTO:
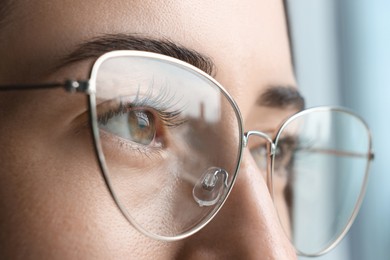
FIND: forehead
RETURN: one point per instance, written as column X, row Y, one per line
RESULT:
column 246, row 39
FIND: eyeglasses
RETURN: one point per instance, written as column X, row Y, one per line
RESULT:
column 169, row 141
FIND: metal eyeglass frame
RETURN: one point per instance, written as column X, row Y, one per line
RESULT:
column 88, row 87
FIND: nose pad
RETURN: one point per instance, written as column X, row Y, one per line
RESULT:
column 210, row 186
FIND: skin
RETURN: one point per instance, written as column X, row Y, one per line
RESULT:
column 53, row 200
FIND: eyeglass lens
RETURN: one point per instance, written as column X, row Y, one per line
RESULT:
column 171, row 141
column 320, row 168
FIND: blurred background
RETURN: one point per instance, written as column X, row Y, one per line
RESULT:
column 342, row 57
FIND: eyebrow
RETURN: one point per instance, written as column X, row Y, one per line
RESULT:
column 282, row 97
column 110, row 42
column 275, row 96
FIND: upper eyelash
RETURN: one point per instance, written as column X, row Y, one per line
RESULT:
column 162, row 103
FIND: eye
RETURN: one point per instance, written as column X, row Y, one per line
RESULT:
column 134, row 124
column 139, row 122
column 284, row 153
column 142, row 126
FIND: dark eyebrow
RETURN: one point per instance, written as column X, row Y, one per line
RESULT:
column 274, row 96
column 110, row 42
column 282, row 97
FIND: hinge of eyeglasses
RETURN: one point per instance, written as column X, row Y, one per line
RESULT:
column 76, row 86
column 371, row 155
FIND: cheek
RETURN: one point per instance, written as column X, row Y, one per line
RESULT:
column 53, row 200
column 47, row 197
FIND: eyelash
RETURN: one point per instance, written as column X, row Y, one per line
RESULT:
column 161, row 105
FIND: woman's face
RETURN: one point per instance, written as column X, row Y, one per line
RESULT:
column 53, row 200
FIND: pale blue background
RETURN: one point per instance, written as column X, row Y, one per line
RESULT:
column 342, row 57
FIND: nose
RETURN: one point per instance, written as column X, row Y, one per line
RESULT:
column 247, row 227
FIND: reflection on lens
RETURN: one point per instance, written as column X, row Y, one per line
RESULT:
column 166, row 190
column 319, row 175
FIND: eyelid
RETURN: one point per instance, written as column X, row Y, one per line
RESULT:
column 163, row 121
column 139, row 154
column 169, row 118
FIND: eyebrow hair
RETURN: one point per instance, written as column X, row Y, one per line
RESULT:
column 282, row 97
column 110, row 42
column 274, row 96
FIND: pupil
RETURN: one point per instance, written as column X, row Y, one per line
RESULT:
column 143, row 120
column 141, row 126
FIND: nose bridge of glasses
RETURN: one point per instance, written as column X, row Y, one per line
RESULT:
column 272, row 150
column 261, row 135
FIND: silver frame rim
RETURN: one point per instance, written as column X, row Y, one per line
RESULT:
column 99, row 150
column 242, row 144
column 359, row 201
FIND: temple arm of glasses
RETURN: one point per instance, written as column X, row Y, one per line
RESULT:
column 369, row 155
column 69, row 85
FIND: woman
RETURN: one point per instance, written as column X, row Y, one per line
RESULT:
column 54, row 200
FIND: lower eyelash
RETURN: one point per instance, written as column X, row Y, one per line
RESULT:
column 147, row 152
